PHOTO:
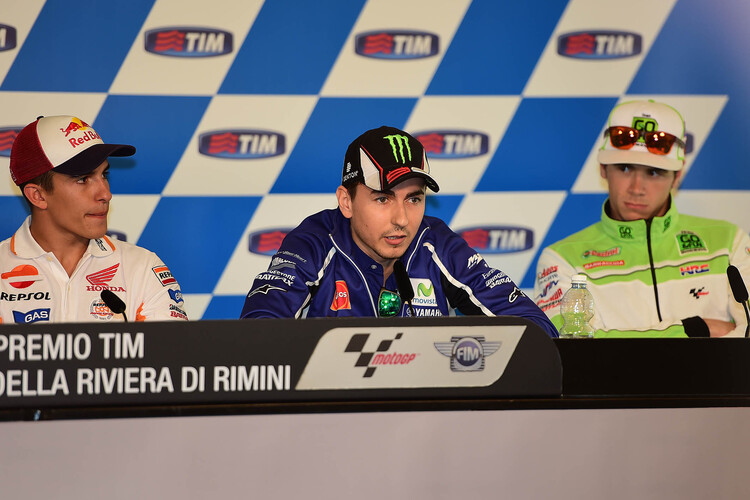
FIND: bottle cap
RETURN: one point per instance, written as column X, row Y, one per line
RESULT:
column 578, row 278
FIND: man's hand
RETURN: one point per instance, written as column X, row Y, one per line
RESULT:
column 718, row 327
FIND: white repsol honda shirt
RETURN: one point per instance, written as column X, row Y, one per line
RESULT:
column 34, row 286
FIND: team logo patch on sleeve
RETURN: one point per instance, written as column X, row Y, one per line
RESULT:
column 164, row 275
column 341, row 299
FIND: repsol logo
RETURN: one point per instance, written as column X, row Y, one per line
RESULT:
column 241, row 144
column 454, row 144
column 7, row 136
column 397, row 44
column 498, row 239
column 7, row 37
column 267, row 242
column 189, row 42
column 15, row 297
column 599, row 44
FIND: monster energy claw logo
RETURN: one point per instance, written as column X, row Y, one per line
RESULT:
column 397, row 143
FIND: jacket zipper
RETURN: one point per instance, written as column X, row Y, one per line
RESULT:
column 651, row 263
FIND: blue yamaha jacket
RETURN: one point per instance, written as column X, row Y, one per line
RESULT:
column 320, row 271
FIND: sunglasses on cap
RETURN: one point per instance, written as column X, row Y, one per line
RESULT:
column 658, row 143
column 389, row 303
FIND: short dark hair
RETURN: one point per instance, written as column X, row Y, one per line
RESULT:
column 44, row 181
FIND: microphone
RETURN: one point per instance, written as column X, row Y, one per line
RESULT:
column 739, row 290
column 115, row 303
column 403, row 283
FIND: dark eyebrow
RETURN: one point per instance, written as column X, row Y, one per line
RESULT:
column 418, row 192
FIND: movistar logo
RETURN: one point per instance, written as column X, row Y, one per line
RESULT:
column 399, row 143
column 423, row 290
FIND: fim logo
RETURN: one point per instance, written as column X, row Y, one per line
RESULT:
column 396, row 44
column 599, row 44
column 498, row 239
column 188, row 42
column 467, row 353
column 453, row 144
column 7, row 37
column 7, row 136
column 242, row 144
column 267, row 242
column 380, row 357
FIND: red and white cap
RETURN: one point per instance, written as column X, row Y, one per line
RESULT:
column 65, row 144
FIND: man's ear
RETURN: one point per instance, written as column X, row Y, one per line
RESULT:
column 603, row 171
column 345, row 201
column 36, row 195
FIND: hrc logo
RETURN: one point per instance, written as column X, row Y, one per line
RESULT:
column 453, row 144
column 599, row 44
column 241, row 144
column 188, row 42
column 7, row 37
column 498, row 239
column 397, row 44
column 267, row 242
column 7, row 136
column 694, row 269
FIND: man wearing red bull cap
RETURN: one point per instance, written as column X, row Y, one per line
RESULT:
column 345, row 261
column 652, row 271
column 60, row 266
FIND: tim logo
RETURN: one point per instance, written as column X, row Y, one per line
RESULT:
column 267, row 242
column 498, row 239
column 467, row 353
column 241, row 144
column 397, row 44
column 7, row 37
column 118, row 235
column 7, row 136
column 454, row 144
column 599, row 44
column 188, row 42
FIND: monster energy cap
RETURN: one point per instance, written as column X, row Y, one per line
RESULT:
column 383, row 157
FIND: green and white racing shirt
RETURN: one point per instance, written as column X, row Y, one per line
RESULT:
column 646, row 277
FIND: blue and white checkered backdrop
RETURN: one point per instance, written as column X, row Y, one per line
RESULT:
column 241, row 111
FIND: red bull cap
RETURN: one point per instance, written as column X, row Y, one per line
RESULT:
column 65, row 144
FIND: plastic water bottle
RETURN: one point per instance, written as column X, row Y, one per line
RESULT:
column 577, row 308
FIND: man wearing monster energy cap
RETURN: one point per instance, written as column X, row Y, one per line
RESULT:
column 340, row 262
column 652, row 271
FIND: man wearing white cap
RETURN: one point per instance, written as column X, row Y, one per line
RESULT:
column 60, row 266
column 652, row 271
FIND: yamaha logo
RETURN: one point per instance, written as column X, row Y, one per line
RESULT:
column 188, row 42
column 453, row 144
column 599, row 44
column 397, row 44
column 241, row 144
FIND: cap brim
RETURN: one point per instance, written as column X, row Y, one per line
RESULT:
column 618, row 157
column 90, row 158
column 429, row 181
